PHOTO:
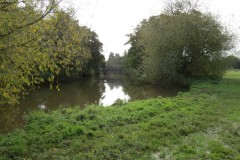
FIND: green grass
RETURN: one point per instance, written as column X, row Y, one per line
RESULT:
column 203, row 123
column 232, row 74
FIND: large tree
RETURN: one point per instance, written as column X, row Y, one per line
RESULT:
column 19, row 51
column 64, row 43
column 38, row 41
column 179, row 44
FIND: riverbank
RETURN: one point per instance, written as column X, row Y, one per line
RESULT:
column 203, row 123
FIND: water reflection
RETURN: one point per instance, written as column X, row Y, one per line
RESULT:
column 81, row 93
column 112, row 93
column 71, row 94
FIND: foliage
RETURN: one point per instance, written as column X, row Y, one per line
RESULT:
column 232, row 62
column 179, row 44
column 114, row 62
column 193, row 125
column 39, row 41
column 64, row 43
column 18, row 45
column 133, row 59
column 97, row 61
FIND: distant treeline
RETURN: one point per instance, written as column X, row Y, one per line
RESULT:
column 233, row 62
column 114, row 62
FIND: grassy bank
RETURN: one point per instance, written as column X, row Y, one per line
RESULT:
column 201, row 124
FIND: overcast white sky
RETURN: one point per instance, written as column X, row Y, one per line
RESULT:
column 113, row 19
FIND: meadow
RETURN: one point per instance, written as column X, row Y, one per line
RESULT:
column 203, row 123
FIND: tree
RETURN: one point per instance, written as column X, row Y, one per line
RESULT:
column 179, row 44
column 63, row 42
column 133, row 59
column 38, row 41
column 19, row 52
column 97, row 60
column 114, row 62
column 232, row 62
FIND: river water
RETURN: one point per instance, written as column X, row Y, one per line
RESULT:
column 81, row 93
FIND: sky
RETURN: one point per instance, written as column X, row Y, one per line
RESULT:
column 112, row 20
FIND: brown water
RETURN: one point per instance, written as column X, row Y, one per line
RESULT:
column 89, row 91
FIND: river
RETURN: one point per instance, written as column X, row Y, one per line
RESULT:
column 89, row 91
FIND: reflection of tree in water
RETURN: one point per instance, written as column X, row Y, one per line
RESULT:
column 141, row 91
column 114, row 79
column 91, row 91
column 11, row 118
column 113, row 85
column 87, row 91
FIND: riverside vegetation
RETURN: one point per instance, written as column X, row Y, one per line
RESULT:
column 41, row 42
column 203, row 123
